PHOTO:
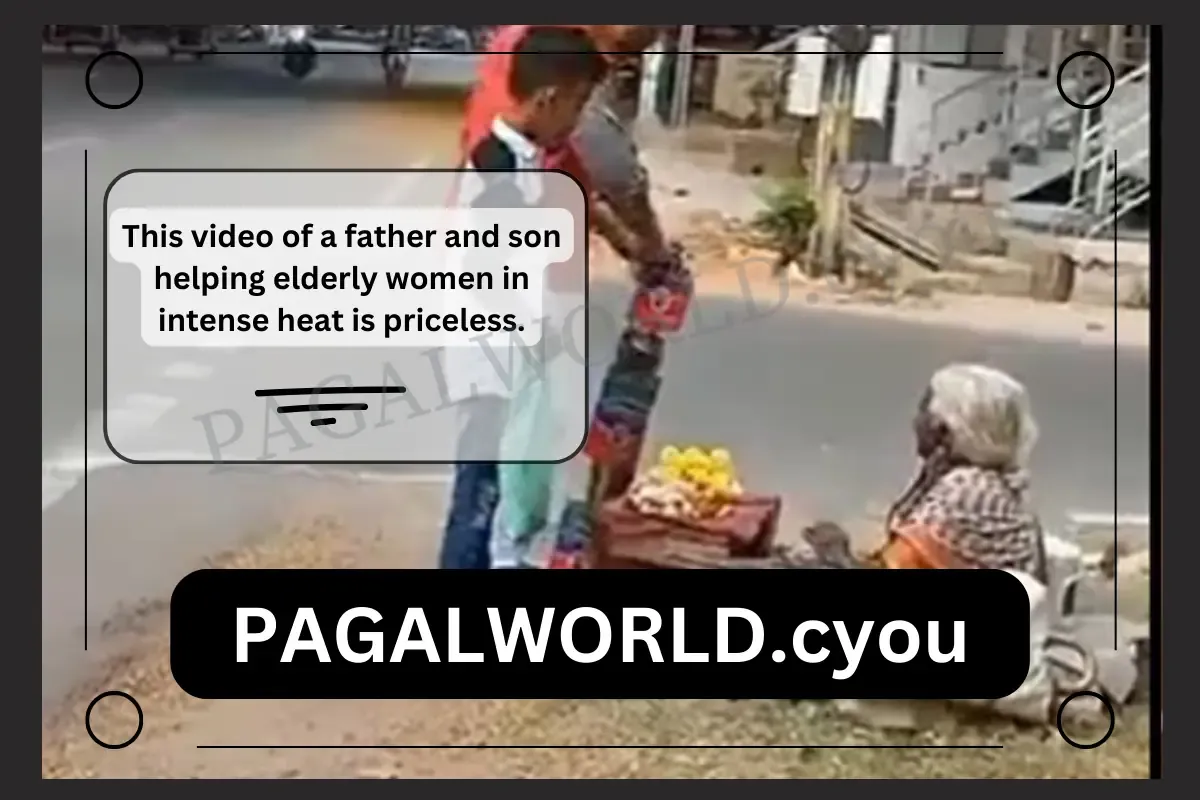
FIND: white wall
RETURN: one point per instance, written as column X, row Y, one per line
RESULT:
column 971, row 46
column 919, row 86
column 936, row 64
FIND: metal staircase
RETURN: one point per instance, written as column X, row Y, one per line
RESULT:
column 1110, row 176
column 1073, row 169
column 1050, row 163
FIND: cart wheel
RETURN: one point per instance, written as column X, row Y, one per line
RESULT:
column 299, row 59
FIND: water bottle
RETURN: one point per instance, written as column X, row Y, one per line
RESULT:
column 622, row 415
column 661, row 300
column 574, row 537
column 638, row 352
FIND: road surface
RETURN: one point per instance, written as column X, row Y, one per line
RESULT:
column 815, row 404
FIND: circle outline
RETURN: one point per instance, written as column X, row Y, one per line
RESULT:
column 87, row 720
column 862, row 182
column 1112, row 80
column 1112, row 719
column 87, row 79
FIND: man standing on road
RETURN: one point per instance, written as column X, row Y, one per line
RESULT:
column 602, row 156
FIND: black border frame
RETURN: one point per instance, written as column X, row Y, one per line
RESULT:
column 16, row 66
column 366, row 171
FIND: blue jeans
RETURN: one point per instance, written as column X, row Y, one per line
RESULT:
column 468, row 534
column 467, row 537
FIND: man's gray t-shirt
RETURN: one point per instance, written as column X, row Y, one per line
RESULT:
column 608, row 152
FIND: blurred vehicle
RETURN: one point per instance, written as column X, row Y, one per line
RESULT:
column 194, row 40
column 103, row 37
column 442, row 38
column 299, row 46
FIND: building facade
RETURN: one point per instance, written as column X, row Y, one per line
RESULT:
column 974, row 105
column 986, row 104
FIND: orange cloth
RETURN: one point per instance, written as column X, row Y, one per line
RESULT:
column 917, row 547
column 490, row 98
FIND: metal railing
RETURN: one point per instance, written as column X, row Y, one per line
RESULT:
column 1112, row 198
column 1103, row 186
column 998, row 84
column 1013, row 119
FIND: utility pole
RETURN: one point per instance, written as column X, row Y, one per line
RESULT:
column 835, row 127
column 684, row 60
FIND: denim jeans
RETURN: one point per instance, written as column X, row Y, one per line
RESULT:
column 467, row 537
column 466, row 543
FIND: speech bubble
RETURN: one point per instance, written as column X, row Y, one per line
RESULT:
column 250, row 291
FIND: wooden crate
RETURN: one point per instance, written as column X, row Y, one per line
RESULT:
column 628, row 539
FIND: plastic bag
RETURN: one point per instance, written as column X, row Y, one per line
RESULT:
column 1058, row 665
column 526, row 490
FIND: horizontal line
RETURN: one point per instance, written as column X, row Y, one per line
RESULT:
column 599, row 747
column 329, row 390
column 325, row 170
column 323, row 407
column 713, row 52
column 316, row 423
column 1086, row 520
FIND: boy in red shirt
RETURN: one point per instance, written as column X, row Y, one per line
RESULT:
column 551, row 77
column 601, row 155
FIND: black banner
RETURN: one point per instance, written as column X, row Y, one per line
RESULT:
column 506, row 634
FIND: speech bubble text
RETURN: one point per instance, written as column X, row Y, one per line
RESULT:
column 339, row 277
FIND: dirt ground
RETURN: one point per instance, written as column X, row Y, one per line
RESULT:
column 389, row 525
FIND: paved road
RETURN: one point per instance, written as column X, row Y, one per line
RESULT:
column 815, row 404
column 149, row 526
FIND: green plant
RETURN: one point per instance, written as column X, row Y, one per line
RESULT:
column 787, row 219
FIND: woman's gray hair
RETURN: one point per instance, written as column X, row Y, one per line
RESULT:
column 987, row 412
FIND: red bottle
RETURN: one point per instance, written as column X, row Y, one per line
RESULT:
column 662, row 298
column 608, row 443
column 621, row 416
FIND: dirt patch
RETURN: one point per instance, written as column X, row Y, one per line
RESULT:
column 395, row 526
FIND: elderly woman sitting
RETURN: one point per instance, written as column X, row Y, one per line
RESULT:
column 967, row 506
